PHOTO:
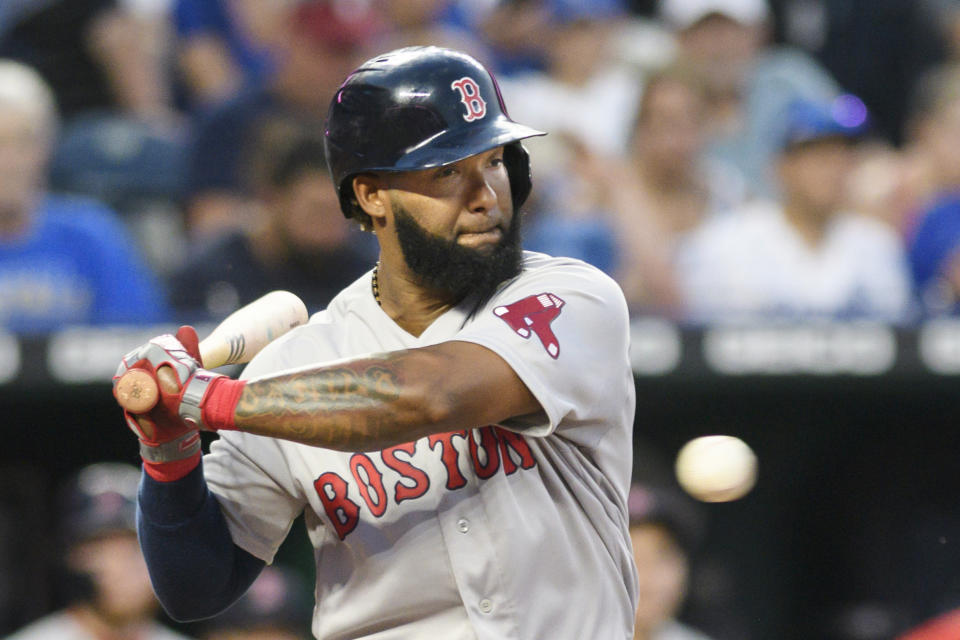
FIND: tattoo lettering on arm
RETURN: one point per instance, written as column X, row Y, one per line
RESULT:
column 351, row 406
column 380, row 401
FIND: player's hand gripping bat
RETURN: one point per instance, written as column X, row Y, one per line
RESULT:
column 236, row 340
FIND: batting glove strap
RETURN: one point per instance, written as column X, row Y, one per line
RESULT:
column 178, row 449
column 192, row 398
column 220, row 404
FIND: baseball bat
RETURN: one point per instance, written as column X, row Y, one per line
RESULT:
column 236, row 340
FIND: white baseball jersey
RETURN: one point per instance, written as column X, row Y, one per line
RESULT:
column 511, row 531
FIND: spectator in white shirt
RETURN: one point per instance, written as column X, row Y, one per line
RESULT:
column 803, row 257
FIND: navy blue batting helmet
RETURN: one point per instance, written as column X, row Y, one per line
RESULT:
column 99, row 499
column 418, row 108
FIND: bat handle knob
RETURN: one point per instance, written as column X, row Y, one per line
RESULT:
column 137, row 391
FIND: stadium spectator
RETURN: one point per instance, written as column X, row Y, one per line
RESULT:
column 91, row 53
column 317, row 48
column 888, row 183
column 103, row 575
column 222, row 45
column 302, row 242
column 664, row 529
column 150, row 24
column 666, row 189
column 62, row 260
column 807, row 257
column 876, row 49
column 514, row 31
column 585, row 96
column 750, row 81
column 571, row 217
column 934, row 239
column 440, row 23
column 277, row 606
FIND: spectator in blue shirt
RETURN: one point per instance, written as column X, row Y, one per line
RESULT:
column 934, row 237
column 62, row 260
column 216, row 51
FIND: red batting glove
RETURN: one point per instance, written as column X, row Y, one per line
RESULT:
column 219, row 403
column 169, row 433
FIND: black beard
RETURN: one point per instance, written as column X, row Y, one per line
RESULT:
column 445, row 266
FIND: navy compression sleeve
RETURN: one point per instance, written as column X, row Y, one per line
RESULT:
column 196, row 569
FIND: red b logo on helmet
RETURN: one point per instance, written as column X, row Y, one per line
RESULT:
column 470, row 96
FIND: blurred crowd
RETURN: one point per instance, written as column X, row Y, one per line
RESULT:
column 723, row 160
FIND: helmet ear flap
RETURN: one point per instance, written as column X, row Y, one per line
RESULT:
column 517, row 160
column 350, row 207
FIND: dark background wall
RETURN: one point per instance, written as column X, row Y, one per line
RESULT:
column 855, row 513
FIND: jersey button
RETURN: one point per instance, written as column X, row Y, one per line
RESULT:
column 486, row 606
column 463, row 525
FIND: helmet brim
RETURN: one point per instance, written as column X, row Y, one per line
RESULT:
column 456, row 144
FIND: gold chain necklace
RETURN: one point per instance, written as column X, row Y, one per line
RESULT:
column 376, row 283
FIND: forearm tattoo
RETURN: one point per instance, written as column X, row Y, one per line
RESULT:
column 352, row 405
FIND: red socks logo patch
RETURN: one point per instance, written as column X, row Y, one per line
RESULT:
column 532, row 315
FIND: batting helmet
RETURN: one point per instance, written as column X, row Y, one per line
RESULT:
column 419, row 108
column 101, row 498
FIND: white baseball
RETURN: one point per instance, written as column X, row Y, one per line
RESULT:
column 716, row 468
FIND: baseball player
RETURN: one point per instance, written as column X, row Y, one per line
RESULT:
column 456, row 425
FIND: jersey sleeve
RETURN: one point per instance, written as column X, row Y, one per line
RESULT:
column 251, row 478
column 564, row 329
